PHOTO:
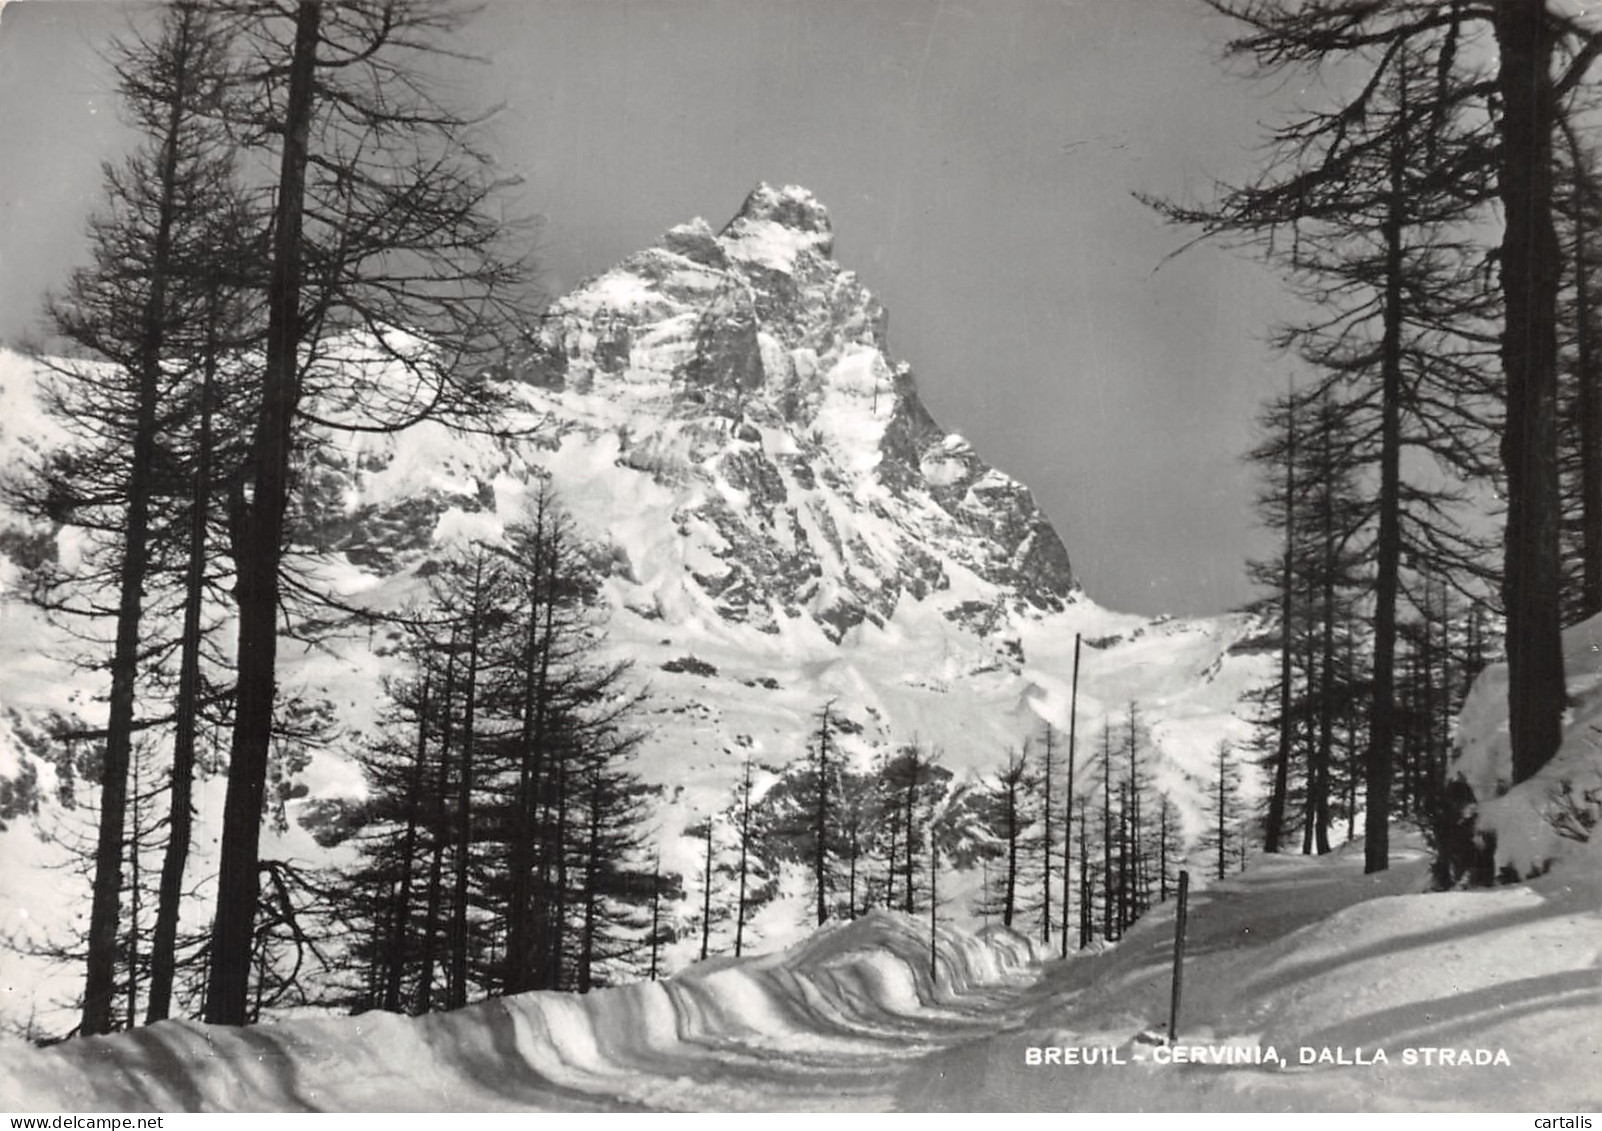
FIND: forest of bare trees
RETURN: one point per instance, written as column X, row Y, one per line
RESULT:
column 1442, row 398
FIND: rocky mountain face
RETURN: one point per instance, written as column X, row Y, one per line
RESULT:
column 746, row 374
column 749, row 371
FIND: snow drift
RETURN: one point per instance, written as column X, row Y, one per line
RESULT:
column 777, row 1031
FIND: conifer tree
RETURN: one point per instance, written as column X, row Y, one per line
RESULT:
column 1578, row 215
column 705, row 831
column 1224, row 806
column 823, row 770
column 505, row 848
column 380, row 230
column 745, row 839
column 1009, row 819
column 1087, row 918
column 1048, row 831
column 912, row 780
column 1108, row 901
column 1168, row 845
column 134, row 323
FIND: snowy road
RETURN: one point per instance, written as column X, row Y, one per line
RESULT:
column 1311, row 953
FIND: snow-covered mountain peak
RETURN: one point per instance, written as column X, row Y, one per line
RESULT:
column 747, row 371
column 775, row 225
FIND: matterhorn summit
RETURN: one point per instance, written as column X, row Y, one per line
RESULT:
column 748, row 373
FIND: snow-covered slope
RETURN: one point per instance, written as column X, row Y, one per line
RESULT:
column 773, row 503
column 1373, row 994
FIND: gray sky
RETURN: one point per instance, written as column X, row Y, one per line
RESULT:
column 977, row 158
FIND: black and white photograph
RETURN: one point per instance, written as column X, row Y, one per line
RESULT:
column 626, row 556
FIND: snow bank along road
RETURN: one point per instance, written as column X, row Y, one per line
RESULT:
column 1297, row 953
column 831, row 1023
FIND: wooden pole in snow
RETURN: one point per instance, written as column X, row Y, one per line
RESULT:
column 1179, row 953
column 1068, row 808
column 934, row 908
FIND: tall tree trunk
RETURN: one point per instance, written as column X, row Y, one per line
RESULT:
column 656, row 910
column 1423, row 782
column 1223, row 812
column 181, row 815
column 259, row 530
column 395, row 945
column 1405, row 708
column 1319, row 783
column 592, row 857
column 1275, row 831
column 909, row 820
column 851, row 874
column 1310, row 716
column 1086, row 908
column 1449, row 703
column 1589, row 409
column 1125, row 883
column 543, row 932
column 820, row 826
column 560, row 848
column 934, row 907
column 1011, row 888
column 1388, row 542
column 134, row 882
column 1162, row 851
column 518, row 959
column 424, row 1001
column 1045, row 882
column 456, row 981
column 706, row 894
column 1136, row 890
column 1587, row 394
column 1529, row 261
column 105, row 910
column 745, row 846
column 523, row 933
column 890, row 862
column 1107, row 909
